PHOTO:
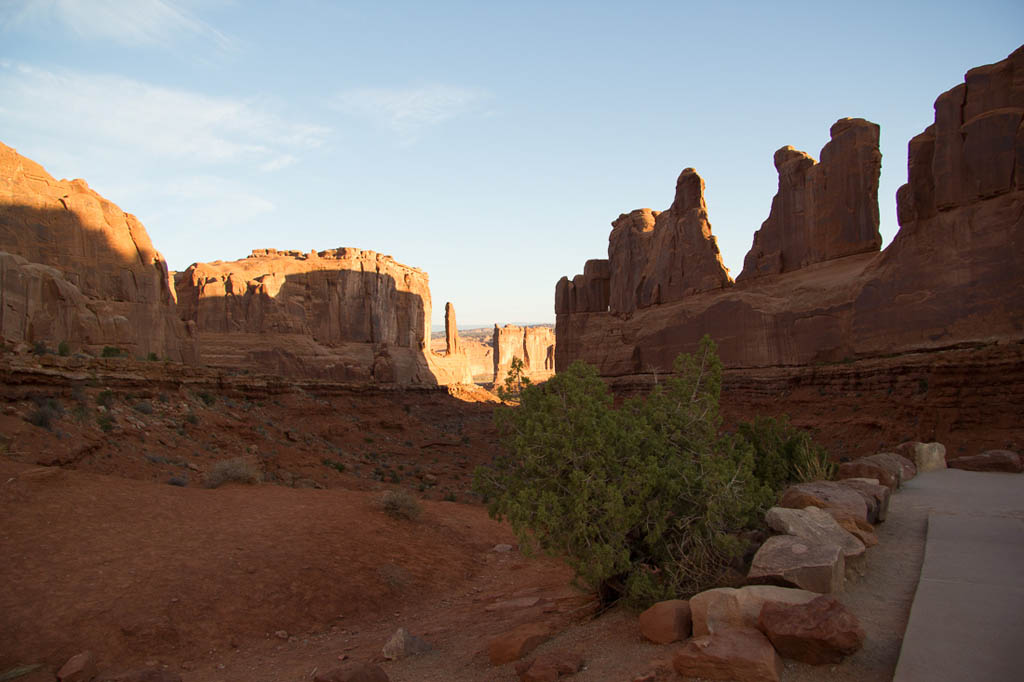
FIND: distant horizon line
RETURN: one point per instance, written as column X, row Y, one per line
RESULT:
column 471, row 327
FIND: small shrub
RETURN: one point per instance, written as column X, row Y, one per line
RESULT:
column 143, row 407
column 207, row 398
column 105, row 422
column 152, row 357
column 334, row 464
column 784, row 454
column 80, row 413
column 63, row 349
column 105, row 398
column 449, row 497
column 191, row 418
column 400, row 504
column 236, row 470
column 41, row 417
column 180, row 481
column 39, row 348
column 113, row 352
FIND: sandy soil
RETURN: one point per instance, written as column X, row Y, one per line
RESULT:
column 203, row 581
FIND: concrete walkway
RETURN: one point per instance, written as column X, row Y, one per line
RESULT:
column 967, row 619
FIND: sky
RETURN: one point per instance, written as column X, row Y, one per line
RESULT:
column 489, row 144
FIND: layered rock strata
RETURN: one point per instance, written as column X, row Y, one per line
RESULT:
column 76, row 269
column 341, row 314
column 816, row 290
column 535, row 346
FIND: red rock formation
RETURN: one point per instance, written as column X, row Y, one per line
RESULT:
column 343, row 314
column 822, row 210
column 76, row 268
column 653, row 257
column 451, row 330
column 953, row 276
column 535, row 346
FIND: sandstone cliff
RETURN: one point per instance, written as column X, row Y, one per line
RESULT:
column 535, row 346
column 653, row 257
column 815, row 289
column 822, row 210
column 343, row 314
column 75, row 268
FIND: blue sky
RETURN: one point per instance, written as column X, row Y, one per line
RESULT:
column 488, row 144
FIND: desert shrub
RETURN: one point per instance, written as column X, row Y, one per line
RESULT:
column 39, row 348
column 152, row 357
column 143, row 407
column 644, row 502
column 235, row 470
column 400, row 504
column 207, row 398
column 63, row 349
column 335, row 464
column 105, row 422
column 42, row 417
column 191, row 418
column 105, row 398
column 784, row 454
column 179, row 481
column 113, row 352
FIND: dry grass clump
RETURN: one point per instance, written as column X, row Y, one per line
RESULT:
column 400, row 504
column 236, row 470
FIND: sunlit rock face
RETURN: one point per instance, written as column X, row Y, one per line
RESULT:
column 535, row 346
column 75, row 268
column 815, row 288
column 343, row 314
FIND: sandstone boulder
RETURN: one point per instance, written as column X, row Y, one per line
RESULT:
column 901, row 467
column 875, row 495
column 820, row 631
column 722, row 608
column 403, row 644
column 826, row 495
column 816, row 526
column 926, row 456
column 79, row 668
column 516, row 643
column 666, row 621
column 863, row 467
column 743, row 654
column 789, row 560
column 990, row 460
column 550, row 666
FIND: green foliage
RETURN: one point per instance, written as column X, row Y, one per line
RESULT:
column 335, row 464
column 152, row 357
column 39, row 348
column 113, row 352
column 643, row 502
column 515, row 381
column 208, row 398
column 784, row 454
column 63, row 349
column 105, row 398
column 105, row 422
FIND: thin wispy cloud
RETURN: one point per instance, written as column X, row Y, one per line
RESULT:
column 409, row 112
column 143, row 118
column 126, row 22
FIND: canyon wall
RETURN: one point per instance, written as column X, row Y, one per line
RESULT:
column 76, row 269
column 342, row 314
column 535, row 346
column 815, row 289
